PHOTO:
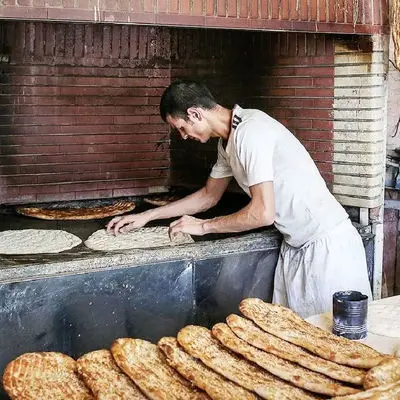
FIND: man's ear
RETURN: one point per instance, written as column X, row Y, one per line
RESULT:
column 194, row 114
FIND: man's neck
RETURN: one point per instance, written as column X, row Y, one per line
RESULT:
column 220, row 121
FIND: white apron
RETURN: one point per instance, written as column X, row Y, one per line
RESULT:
column 306, row 277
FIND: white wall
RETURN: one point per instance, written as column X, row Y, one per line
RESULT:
column 393, row 106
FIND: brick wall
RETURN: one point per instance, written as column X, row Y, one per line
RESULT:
column 337, row 16
column 360, row 120
column 288, row 75
column 79, row 111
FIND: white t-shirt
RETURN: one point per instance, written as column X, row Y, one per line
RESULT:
column 260, row 149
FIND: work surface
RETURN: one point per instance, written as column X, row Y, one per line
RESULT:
column 384, row 344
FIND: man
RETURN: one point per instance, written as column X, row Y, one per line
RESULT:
column 321, row 252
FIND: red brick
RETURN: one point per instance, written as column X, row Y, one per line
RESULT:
column 313, row 92
column 304, row 10
column 377, row 16
column 162, row 6
column 243, row 9
column 313, row 10
column 210, row 7
column 184, row 7
column 173, row 6
column 323, row 82
column 264, row 11
column 293, row 9
column 324, row 156
column 69, row 14
column 310, row 146
column 221, row 8
column 321, row 124
column 198, row 7
column 284, row 10
column 25, row 3
column 368, row 11
column 322, row 10
column 275, row 9
column 349, row 14
column 253, row 12
column 148, row 6
column 307, row 134
column 324, row 146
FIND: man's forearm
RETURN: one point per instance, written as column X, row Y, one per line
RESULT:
column 189, row 205
column 245, row 219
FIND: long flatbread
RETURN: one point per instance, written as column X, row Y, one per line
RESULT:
column 286, row 370
column 252, row 334
column 388, row 371
column 287, row 325
column 47, row 375
column 161, row 200
column 215, row 385
column 144, row 363
column 118, row 208
column 199, row 342
column 385, row 392
column 102, row 375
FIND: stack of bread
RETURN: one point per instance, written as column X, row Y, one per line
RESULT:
column 270, row 353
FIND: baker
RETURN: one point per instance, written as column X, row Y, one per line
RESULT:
column 321, row 251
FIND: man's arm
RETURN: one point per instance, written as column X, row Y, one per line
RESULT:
column 259, row 212
column 202, row 200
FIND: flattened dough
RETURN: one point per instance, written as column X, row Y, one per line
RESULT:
column 141, row 238
column 386, row 319
column 36, row 241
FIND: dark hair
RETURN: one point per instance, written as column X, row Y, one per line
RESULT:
column 181, row 95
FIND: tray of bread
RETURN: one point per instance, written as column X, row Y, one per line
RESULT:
column 267, row 352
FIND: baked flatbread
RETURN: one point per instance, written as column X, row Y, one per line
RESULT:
column 388, row 371
column 161, row 200
column 117, row 208
column 50, row 376
column 286, row 370
column 102, row 375
column 199, row 342
column 252, row 334
column 36, row 241
column 385, row 392
column 141, row 238
column 201, row 376
column 286, row 324
column 144, row 363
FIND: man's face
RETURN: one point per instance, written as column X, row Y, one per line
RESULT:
column 194, row 128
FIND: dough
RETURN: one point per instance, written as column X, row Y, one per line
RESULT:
column 386, row 319
column 141, row 238
column 36, row 241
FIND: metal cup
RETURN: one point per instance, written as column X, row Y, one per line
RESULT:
column 350, row 310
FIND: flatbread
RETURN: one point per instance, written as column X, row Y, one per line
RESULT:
column 388, row 371
column 287, row 325
column 218, row 387
column 145, row 364
column 36, row 241
column 385, row 392
column 117, row 208
column 102, row 375
column 141, row 238
column 386, row 320
column 161, row 200
column 199, row 342
column 286, row 370
column 252, row 334
column 48, row 375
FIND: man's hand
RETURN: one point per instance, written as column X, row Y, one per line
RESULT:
column 187, row 224
column 127, row 223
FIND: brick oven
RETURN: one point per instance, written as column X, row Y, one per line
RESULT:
column 80, row 82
